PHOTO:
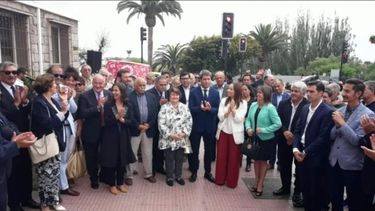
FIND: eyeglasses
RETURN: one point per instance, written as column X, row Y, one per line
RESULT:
column 79, row 84
column 184, row 78
column 8, row 72
column 58, row 75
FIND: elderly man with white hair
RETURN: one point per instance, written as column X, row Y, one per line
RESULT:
column 289, row 111
column 220, row 85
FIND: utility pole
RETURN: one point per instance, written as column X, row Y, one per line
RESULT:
column 143, row 37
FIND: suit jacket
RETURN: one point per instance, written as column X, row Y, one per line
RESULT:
column 19, row 116
column 204, row 120
column 346, row 140
column 88, row 111
column 8, row 150
column 157, row 96
column 152, row 108
column 317, row 144
column 284, row 96
column 225, row 89
column 43, row 122
column 182, row 95
column 268, row 120
column 285, row 111
column 72, row 110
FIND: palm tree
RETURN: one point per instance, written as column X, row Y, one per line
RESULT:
column 270, row 39
column 167, row 57
column 152, row 9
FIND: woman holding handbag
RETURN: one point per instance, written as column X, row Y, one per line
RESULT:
column 230, row 135
column 261, row 124
column 116, row 152
column 48, row 117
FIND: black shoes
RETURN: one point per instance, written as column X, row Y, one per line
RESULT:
column 94, row 185
column 209, row 177
column 180, row 181
column 281, row 192
column 193, row 177
column 170, row 182
column 297, row 200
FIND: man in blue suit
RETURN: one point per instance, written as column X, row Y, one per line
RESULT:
column 346, row 156
column 203, row 104
column 311, row 146
column 8, row 150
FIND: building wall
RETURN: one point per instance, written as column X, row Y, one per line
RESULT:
column 47, row 19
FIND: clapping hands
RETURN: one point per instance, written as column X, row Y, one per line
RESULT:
column 370, row 152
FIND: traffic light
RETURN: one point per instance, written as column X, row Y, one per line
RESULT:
column 143, row 34
column 345, row 52
column 227, row 30
column 243, row 44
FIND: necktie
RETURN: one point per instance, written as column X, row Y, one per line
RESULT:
column 13, row 91
column 205, row 94
column 101, row 111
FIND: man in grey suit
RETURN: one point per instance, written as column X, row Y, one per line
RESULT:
column 346, row 157
column 220, row 85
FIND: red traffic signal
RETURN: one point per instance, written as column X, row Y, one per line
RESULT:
column 227, row 27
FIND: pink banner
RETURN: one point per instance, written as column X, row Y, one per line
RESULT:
column 137, row 69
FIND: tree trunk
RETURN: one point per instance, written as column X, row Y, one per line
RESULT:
column 150, row 44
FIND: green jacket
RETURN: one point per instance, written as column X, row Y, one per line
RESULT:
column 268, row 120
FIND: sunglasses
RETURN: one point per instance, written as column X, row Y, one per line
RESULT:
column 10, row 72
column 58, row 75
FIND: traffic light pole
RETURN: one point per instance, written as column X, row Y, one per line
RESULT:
column 141, row 51
column 225, row 55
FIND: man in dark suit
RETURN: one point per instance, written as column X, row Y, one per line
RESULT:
column 143, row 128
column 185, row 87
column 289, row 111
column 90, row 110
column 311, row 147
column 220, row 85
column 277, row 96
column 203, row 104
column 8, row 150
column 161, row 96
column 15, row 106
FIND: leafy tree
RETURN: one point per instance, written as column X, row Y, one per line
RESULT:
column 103, row 42
column 152, row 9
column 270, row 39
column 168, row 57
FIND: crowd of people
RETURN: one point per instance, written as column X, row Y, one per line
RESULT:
column 328, row 130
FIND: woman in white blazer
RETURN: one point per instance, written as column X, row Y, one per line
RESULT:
column 230, row 135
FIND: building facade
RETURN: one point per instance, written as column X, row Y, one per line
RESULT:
column 35, row 38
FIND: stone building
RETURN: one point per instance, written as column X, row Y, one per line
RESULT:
column 35, row 38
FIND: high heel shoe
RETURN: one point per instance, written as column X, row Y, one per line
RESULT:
column 123, row 188
column 253, row 189
column 114, row 190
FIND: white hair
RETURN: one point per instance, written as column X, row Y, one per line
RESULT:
column 300, row 85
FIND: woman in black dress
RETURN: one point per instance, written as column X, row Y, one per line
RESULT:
column 116, row 151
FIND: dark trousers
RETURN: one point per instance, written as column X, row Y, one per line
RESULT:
column 273, row 157
column 228, row 161
column 352, row 181
column 209, row 150
column 285, row 156
column 3, row 196
column 91, row 155
column 113, row 176
column 157, row 155
column 173, row 163
column 20, row 180
column 314, row 185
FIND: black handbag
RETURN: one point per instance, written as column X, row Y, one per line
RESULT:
column 250, row 148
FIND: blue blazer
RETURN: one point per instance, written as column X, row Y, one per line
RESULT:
column 43, row 124
column 285, row 111
column 284, row 96
column 203, row 120
column 347, row 140
column 152, row 107
column 317, row 140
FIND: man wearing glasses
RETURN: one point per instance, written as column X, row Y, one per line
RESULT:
column 15, row 106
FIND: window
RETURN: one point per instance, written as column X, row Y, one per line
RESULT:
column 60, row 44
column 13, row 37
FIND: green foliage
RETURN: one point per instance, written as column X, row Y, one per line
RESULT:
column 168, row 57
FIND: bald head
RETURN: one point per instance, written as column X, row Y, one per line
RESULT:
column 98, row 83
column 140, row 85
column 219, row 78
